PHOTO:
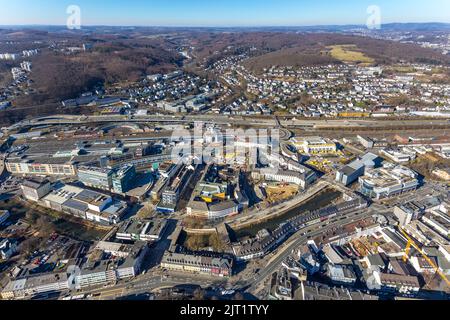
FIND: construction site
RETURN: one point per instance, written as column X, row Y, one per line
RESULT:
column 278, row 192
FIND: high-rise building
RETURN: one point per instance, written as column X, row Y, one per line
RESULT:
column 122, row 180
column 171, row 194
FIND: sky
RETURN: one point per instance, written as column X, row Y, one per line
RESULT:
column 220, row 13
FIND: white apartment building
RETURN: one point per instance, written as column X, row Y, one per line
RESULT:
column 48, row 169
column 315, row 145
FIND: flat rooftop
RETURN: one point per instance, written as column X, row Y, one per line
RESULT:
column 154, row 227
column 92, row 197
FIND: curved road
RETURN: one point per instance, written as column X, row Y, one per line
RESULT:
column 151, row 282
column 286, row 250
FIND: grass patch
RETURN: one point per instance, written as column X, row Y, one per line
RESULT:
column 349, row 54
column 402, row 69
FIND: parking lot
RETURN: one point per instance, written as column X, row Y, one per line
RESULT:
column 52, row 257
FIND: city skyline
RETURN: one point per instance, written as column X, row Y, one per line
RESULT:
column 201, row 13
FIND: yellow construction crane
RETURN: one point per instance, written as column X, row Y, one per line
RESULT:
column 412, row 243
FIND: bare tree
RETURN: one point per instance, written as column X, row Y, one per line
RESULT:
column 30, row 245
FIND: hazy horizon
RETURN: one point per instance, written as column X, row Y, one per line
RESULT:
column 220, row 27
column 232, row 13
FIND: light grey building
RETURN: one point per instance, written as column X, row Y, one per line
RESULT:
column 100, row 178
column 351, row 172
column 341, row 274
column 35, row 189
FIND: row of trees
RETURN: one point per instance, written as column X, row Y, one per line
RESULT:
column 39, row 222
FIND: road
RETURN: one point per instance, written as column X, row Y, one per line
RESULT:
column 155, row 280
column 284, row 251
column 149, row 283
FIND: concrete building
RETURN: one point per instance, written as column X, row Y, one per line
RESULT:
column 295, row 268
column 101, row 208
column 350, row 173
column 213, row 211
column 315, row 145
column 438, row 221
column 85, row 204
column 158, row 187
column 302, row 179
column 413, row 210
column 263, row 243
column 99, row 178
column 197, row 264
column 98, row 271
column 34, row 285
column 399, row 283
column 309, row 262
column 281, row 286
column 60, row 194
column 172, row 192
column 371, row 143
column 399, row 156
column 341, row 274
column 406, row 213
column 142, row 230
column 35, row 189
column 212, row 197
column 56, row 168
column 123, row 179
column 366, row 142
column 388, row 181
column 95, row 201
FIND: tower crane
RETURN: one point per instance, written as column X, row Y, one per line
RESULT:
column 412, row 244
